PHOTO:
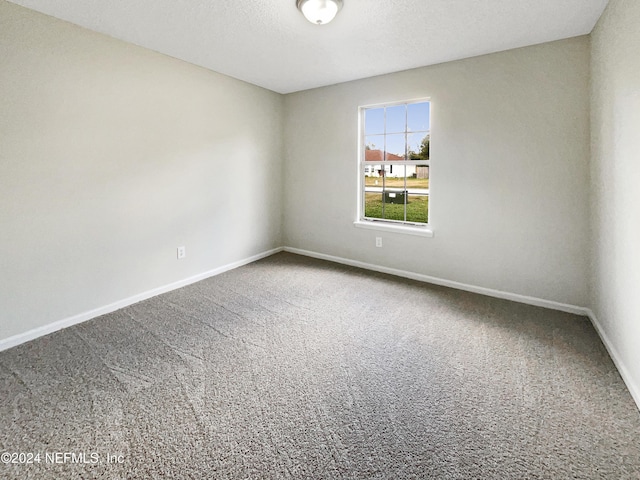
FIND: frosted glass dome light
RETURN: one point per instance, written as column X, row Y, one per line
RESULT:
column 319, row 11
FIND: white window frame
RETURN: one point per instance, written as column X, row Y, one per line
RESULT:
column 399, row 226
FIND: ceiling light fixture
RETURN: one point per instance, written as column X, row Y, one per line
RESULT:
column 319, row 11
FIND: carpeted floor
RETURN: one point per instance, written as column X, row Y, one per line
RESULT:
column 294, row 368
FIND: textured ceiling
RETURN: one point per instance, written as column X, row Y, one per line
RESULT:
column 269, row 43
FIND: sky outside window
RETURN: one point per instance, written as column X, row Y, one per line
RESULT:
column 374, row 121
column 396, row 119
column 415, row 117
column 418, row 117
column 395, row 145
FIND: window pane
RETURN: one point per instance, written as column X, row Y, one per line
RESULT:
column 373, row 121
column 373, row 205
column 418, row 179
column 373, row 183
column 418, row 145
column 395, row 146
column 394, row 192
column 395, row 176
column 374, row 148
column 396, row 119
column 418, row 117
column 418, row 194
column 418, row 208
column 373, row 177
column 393, row 205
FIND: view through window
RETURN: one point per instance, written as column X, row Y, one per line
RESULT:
column 394, row 165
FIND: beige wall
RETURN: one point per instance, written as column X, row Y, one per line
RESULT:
column 111, row 156
column 615, row 183
column 510, row 162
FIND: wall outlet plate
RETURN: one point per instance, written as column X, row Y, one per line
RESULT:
column 182, row 252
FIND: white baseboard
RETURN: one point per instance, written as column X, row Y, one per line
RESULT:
column 538, row 302
column 84, row 316
column 634, row 389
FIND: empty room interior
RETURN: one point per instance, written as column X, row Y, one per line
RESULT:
column 222, row 255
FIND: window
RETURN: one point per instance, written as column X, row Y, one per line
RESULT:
column 394, row 163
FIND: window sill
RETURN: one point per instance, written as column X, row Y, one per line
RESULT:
column 388, row 227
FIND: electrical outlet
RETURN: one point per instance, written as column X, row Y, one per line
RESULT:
column 378, row 242
column 182, row 252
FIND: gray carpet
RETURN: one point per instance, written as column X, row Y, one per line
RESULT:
column 294, row 368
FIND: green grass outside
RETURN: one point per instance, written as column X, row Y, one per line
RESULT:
column 417, row 208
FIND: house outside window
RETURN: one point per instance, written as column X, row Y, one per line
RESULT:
column 394, row 163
